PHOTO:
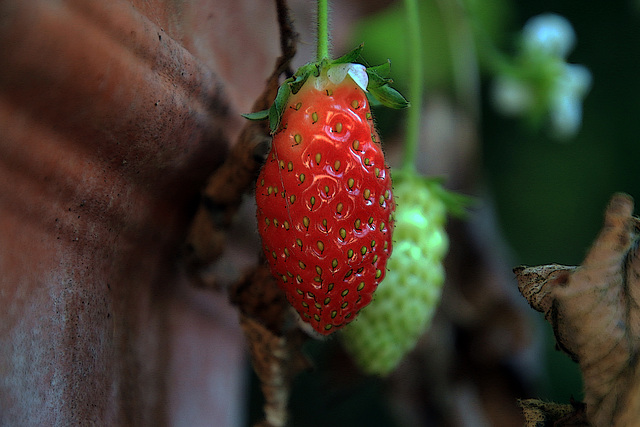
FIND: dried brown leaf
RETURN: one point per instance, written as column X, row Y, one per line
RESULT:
column 275, row 343
column 276, row 360
column 595, row 315
column 538, row 413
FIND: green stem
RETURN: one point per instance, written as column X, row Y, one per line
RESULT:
column 464, row 64
column 416, row 86
column 323, row 30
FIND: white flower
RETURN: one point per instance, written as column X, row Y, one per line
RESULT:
column 511, row 96
column 566, row 101
column 542, row 82
column 566, row 116
column 549, row 33
column 576, row 79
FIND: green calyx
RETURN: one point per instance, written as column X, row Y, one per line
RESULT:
column 456, row 204
column 378, row 86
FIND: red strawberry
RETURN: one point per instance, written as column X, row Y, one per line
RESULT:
column 325, row 201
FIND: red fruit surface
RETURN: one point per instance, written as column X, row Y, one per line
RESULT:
column 324, row 204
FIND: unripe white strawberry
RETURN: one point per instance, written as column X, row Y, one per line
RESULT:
column 406, row 300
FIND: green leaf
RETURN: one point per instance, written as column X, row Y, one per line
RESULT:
column 298, row 82
column 379, row 87
column 349, row 57
column 389, row 97
column 373, row 101
column 376, row 80
column 290, row 86
column 279, row 104
column 258, row 115
column 457, row 204
column 383, row 70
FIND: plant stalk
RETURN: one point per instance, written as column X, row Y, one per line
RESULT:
column 416, row 86
column 323, row 30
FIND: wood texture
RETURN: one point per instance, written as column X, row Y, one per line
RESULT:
column 112, row 115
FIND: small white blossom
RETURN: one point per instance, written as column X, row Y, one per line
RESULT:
column 576, row 79
column 511, row 96
column 541, row 82
column 549, row 33
column 566, row 101
column 566, row 116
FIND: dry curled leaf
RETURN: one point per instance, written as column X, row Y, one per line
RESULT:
column 538, row 413
column 595, row 314
column 274, row 340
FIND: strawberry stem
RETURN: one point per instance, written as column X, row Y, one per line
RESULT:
column 416, row 86
column 462, row 45
column 323, row 30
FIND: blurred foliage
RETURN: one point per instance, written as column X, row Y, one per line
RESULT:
column 385, row 37
column 549, row 196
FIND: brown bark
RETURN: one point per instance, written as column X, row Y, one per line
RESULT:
column 112, row 116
